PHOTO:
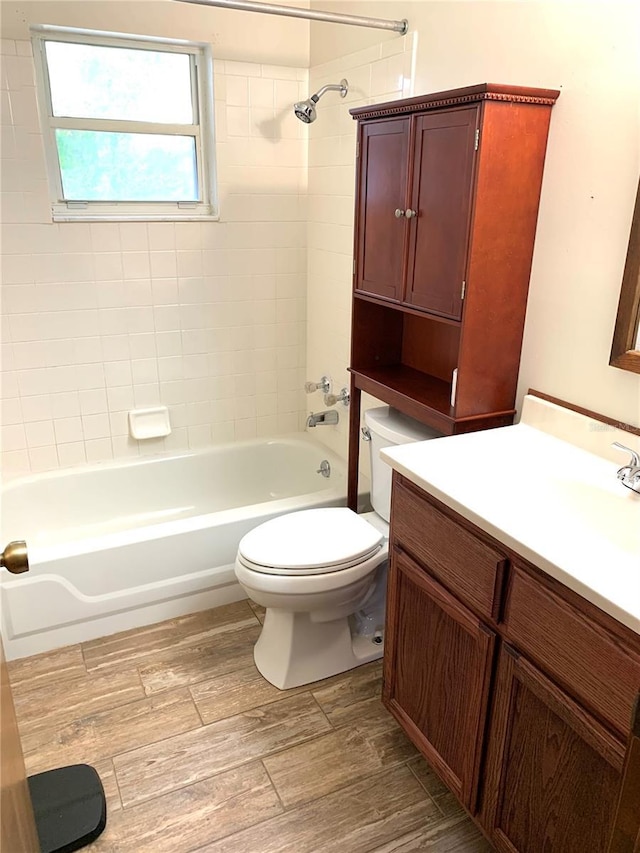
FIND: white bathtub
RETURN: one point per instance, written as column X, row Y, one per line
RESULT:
column 117, row 546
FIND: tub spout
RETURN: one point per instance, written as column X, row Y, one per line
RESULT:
column 322, row 418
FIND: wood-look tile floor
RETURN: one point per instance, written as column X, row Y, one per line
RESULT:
column 197, row 752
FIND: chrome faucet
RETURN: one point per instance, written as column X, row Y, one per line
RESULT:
column 629, row 475
column 322, row 418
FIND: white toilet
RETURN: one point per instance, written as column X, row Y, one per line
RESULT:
column 314, row 570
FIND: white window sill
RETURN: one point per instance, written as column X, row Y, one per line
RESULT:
column 82, row 216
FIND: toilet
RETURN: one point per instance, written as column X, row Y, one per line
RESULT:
column 321, row 574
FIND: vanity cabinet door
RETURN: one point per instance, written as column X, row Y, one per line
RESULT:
column 437, row 668
column 553, row 771
column 382, row 190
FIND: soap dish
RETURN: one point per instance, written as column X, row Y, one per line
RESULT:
column 149, row 423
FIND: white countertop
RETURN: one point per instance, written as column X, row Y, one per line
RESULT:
column 556, row 504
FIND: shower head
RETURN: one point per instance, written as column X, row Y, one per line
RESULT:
column 306, row 110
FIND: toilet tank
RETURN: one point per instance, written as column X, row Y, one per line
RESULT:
column 389, row 427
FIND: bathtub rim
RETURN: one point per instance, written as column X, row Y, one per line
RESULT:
column 8, row 482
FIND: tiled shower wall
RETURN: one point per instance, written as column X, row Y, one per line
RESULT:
column 207, row 318
column 377, row 74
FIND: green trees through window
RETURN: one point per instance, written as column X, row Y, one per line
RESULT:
column 107, row 166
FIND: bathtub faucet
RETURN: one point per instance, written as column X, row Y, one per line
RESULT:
column 322, row 418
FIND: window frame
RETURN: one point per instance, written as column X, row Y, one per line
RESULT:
column 201, row 65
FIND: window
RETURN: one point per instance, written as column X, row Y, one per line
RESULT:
column 128, row 125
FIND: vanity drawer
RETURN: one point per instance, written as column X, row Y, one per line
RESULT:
column 471, row 570
column 581, row 655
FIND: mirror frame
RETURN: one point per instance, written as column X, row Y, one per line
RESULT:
column 623, row 352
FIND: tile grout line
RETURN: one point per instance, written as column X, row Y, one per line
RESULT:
column 84, row 660
column 195, row 705
column 322, row 711
column 428, row 793
column 117, row 784
column 273, row 785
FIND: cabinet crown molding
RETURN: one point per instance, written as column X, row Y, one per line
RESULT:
column 454, row 97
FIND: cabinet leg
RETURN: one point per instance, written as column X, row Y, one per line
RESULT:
column 354, row 447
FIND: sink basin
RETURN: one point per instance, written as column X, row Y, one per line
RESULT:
column 609, row 510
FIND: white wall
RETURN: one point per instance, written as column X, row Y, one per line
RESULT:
column 207, row 318
column 588, row 50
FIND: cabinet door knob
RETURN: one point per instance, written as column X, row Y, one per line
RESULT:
column 410, row 214
column 399, row 213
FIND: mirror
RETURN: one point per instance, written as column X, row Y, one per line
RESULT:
column 625, row 350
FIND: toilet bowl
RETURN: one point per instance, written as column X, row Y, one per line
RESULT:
column 315, row 569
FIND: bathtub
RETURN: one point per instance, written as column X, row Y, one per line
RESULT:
column 120, row 545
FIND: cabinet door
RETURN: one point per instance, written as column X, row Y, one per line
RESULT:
column 382, row 189
column 438, row 658
column 553, row 772
column 625, row 837
column 441, row 197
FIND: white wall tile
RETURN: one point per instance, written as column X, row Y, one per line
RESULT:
column 163, row 264
column 118, row 373
column 99, row 450
column 13, row 437
column 161, row 236
column 72, row 453
column 37, row 408
column 95, row 426
column 134, row 236
column 120, row 399
column 108, row 266
column 68, row 430
column 39, row 433
column 93, row 402
column 43, row 458
column 135, row 265
column 105, row 237
column 188, row 235
column 237, row 91
column 65, row 405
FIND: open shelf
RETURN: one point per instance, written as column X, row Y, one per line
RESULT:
column 423, row 397
column 417, row 394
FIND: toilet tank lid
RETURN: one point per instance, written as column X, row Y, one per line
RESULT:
column 397, row 428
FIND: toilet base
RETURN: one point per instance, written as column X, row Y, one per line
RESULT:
column 293, row 649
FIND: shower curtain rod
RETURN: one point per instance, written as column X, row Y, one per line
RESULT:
column 295, row 12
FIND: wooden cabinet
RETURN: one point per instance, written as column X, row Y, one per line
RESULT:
column 441, row 194
column 553, row 771
column 381, row 237
column 415, row 190
column 517, row 691
column 625, row 837
column 447, row 195
column 440, row 697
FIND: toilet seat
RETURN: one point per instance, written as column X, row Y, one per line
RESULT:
column 309, row 542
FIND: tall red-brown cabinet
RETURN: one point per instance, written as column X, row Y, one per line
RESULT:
column 447, row 195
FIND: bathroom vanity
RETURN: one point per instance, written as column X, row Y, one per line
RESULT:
column 512, row 653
